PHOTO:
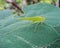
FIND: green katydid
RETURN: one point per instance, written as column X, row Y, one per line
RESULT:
column 35, row 19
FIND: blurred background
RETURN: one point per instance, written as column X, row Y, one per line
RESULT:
column 17, row 5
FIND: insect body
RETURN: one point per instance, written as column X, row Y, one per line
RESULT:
column 37, row 19
column 33, row 19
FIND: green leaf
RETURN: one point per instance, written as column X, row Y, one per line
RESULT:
column 58, row 29
column 50, row 12
column 25, row 34
column 56, row 44
column 6, row 18
column 5, row 13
